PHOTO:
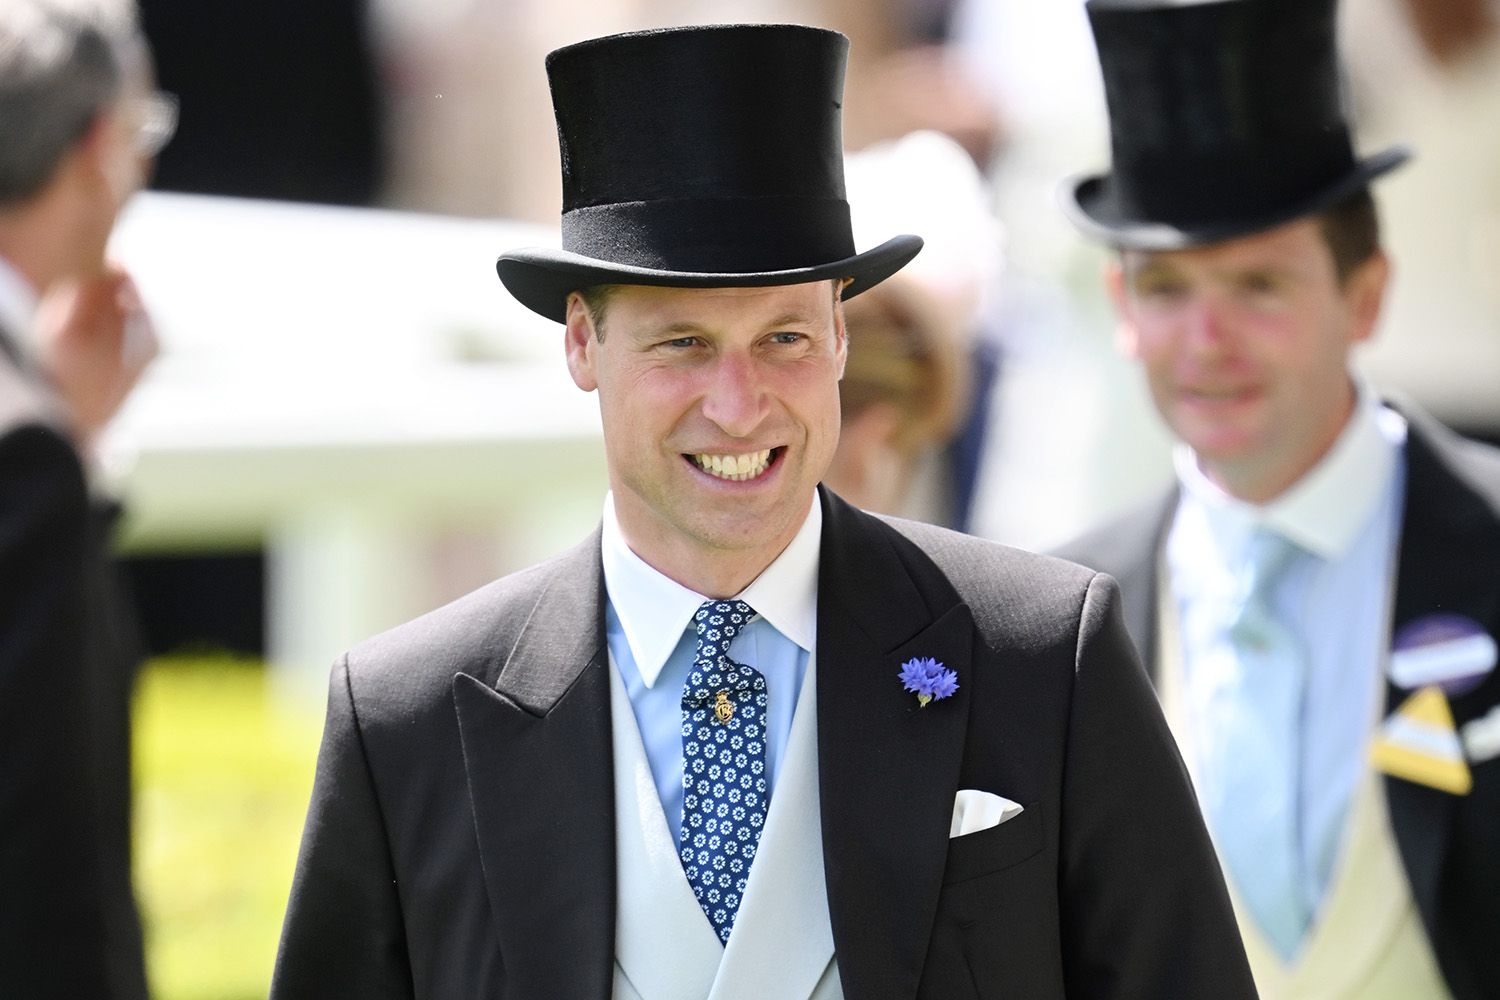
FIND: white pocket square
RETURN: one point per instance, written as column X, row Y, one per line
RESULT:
column 974, row 810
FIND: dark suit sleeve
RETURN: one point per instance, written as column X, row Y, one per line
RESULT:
column 343, row 935
column 1145, row 911
column 55, row 891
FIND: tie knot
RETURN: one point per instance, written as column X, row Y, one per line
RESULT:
column 717, row 623
column 1267, row 559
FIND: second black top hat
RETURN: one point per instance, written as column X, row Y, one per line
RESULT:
column 1225, row 119
column 700, row 157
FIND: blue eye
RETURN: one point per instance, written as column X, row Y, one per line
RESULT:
column 786, row 338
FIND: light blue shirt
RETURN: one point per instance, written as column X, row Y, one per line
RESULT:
column 1346, row 514
column 647, row 621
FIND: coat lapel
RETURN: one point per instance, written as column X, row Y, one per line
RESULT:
column 1450, row 546
column 536, row 744
column 888, row 770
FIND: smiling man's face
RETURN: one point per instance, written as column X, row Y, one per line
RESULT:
column 1245, row 345
column 721, row 414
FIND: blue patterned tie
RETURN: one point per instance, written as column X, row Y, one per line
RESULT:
column 724, row 795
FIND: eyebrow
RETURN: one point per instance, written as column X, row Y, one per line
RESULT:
column 682, row 327
column 1159, row 265
column 1148, row 267
column 790, row 319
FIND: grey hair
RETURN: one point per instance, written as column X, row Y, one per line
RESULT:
column 62, row 62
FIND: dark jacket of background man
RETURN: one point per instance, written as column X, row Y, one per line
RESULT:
column 80, row 124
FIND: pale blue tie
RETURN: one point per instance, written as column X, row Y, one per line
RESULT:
column 724, row 789
column 1254, row 774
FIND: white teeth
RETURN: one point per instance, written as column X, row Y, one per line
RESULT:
column 736, row 468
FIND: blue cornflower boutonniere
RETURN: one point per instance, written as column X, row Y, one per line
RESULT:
column 928, row 679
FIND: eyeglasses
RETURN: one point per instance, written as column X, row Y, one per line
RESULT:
column 157, row 113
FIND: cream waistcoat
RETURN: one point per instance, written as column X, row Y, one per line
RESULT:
column 1368, row 942
column 782, row 944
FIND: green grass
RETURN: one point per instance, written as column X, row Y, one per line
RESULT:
column 222, row 781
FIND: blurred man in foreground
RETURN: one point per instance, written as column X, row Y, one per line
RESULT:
column 78, row 125
column 745, row 741
column 1318, row 596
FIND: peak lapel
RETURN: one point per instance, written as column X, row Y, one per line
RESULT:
column 1450, row 546
column 539, row 765
column 888, row 770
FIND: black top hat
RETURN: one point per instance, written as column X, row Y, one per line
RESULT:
column 701, row 157
column 1225, row 119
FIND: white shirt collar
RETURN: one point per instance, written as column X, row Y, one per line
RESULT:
column 1325, row 510
column 18, row 305
column 654, row 609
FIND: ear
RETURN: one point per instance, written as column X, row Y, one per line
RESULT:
column 105, row 153
column 87, row 160
column 1127, row 338
column 580, row 344
column 1364, row 292
column 93, row 145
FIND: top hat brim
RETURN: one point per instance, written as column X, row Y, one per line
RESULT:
column 541, row 279
column 1092, row 203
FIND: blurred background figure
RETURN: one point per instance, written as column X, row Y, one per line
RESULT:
column 79, row 124
column 1315, row 594
column 1420, row 71
column 910, row 378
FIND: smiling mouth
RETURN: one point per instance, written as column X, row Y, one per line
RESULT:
column 736, row 468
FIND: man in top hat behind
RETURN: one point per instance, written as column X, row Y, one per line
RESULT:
column 745, row 741
column 1317, row 596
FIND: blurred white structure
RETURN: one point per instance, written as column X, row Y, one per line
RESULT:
column 1440, row 333
column 355, row 390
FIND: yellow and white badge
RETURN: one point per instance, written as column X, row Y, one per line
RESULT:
column 1419, row 743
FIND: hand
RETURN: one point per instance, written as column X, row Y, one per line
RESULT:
column 96, row 340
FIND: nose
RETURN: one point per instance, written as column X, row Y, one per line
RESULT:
column 1203, row 325
column 735, row 398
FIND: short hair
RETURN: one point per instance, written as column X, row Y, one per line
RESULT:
column 1351, row 228
column 62, row 62
column 596, row 302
